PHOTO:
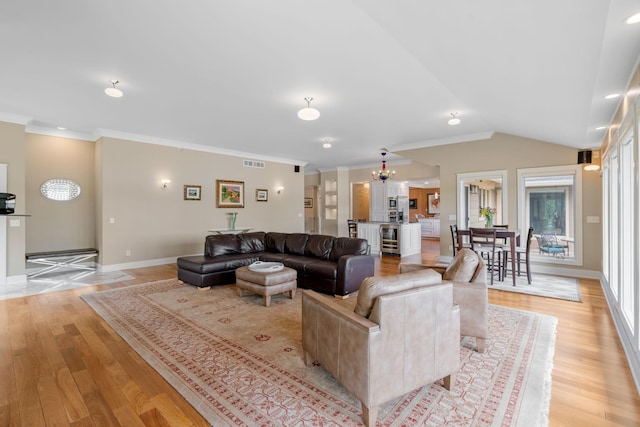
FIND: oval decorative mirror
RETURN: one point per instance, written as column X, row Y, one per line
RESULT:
column 60, row 189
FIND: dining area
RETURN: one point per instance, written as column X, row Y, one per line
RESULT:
column 500, row 247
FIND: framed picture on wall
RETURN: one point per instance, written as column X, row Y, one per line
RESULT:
column 192, row 192
column 262, row 195
column 308, row 202
column 229, row 194
column 413, row 203
column 434, row 204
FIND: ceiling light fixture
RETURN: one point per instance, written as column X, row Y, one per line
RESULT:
column 602, row 127
column 454, row 120
column 308, row 113
column 114, row 92
column 327, row 144
column 612, row 96
column 383, row 174
column 633, row 19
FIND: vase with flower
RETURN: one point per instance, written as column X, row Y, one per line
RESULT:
column 488, row 214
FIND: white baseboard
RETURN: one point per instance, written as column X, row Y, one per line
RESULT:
column 136, row 264
column 625, row 335
column 549, row 269
column 16, row 280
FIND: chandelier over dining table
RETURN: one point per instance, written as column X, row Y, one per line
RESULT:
column 383, row 174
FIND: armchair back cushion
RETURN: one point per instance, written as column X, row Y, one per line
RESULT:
column 463, row 267
column 374, row 287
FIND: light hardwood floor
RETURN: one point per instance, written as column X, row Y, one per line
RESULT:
column 61, row 364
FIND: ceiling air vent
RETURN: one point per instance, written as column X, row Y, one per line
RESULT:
column 253, row 164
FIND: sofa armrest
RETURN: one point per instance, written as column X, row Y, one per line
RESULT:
column 352, row 270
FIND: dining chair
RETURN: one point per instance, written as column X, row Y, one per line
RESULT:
column 353, row 227
column 454, row 240
column 503, row 243
column 483, row 242
column 522, row 255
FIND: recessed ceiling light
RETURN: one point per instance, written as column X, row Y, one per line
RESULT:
column 454, row 120
column 327, row 143
column 602, row 127
column 612, row 96
column 61, row 128
column 633, row 19
column 114, row 92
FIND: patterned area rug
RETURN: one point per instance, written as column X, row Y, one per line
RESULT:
column 566, row 288
column 240, row 363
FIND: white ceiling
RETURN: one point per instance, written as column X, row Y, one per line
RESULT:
column 232, row 74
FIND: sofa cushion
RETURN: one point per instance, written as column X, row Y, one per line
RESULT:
column 273, row 257
column 348, row 246
column 221, row 244
column 322, row 269
column 251, row 242
column 463, row 266
column 319, row 246
column 373, row 287
column 297, row 262
column 274, row 242
column 295, row 243
column 206, row 265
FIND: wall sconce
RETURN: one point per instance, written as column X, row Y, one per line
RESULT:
column 280, row 189
column 165, row 183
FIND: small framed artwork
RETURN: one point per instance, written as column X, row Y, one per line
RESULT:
column 192, row 192
column 434, row 204
column 262, row 195
column 229, row 194
column 308, row 202
column 413, row 203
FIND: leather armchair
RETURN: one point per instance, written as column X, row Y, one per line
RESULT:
column 468, row 275
column 411, row 337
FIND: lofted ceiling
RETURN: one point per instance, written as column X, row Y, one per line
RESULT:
column 230, row 75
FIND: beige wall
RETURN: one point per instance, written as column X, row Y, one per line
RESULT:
column 156, row 224
column 57, row 225
column 507, row 152
column 12, row 152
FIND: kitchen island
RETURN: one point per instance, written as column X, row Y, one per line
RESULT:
column 391, row 238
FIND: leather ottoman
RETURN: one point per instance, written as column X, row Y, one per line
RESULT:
column 266, row 283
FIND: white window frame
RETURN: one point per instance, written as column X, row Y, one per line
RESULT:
column 575, row 170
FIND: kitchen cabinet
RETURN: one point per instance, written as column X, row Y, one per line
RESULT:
column 370, row 232
column 429, row 227
column 377, row 202
column 410, row 241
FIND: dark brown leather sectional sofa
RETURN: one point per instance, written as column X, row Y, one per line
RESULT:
column 327, row 264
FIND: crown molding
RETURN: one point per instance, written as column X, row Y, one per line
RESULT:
column 108, row 133
column 15, row 118
column 443, row 141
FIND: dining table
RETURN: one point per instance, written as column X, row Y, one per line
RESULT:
column 501, row 233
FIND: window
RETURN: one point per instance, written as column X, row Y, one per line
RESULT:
column 548, row 202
